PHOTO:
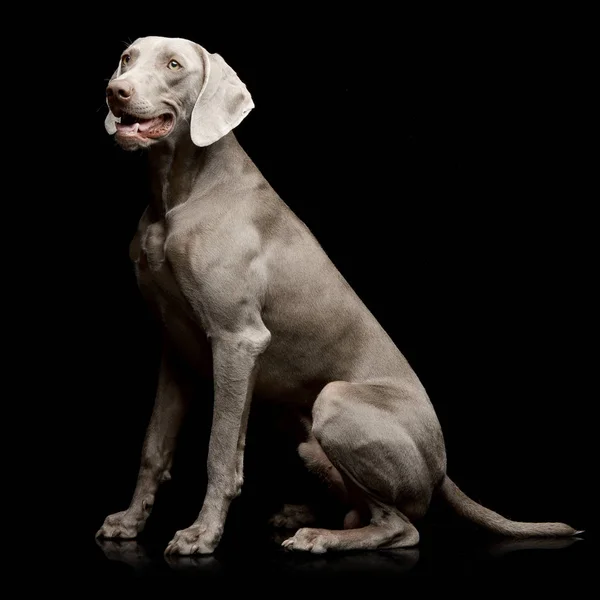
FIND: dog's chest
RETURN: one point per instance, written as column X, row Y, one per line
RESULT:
column 160, row 289
column 147, row 251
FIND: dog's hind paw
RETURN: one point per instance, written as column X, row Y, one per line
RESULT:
column 307, row 540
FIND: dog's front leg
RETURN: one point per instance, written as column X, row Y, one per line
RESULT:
column 157, row 452
column 235, row 364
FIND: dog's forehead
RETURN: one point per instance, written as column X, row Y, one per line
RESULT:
column 157, row 44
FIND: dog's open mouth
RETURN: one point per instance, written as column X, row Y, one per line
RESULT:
column 156, row 127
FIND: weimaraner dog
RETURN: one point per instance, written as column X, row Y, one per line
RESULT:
column 248, row 297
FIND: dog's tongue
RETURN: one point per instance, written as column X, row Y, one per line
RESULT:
column 145, row 125
column 141, row 126
column 133, row 128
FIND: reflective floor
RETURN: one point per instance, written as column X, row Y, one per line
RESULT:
column 443, row 554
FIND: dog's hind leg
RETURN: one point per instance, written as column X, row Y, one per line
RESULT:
column 317, row 462
column 388, row 528
column 384, row 442
column 294, row 516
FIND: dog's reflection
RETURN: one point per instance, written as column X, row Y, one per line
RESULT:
column 129, row 552
column 382, row 562
column 135, row 555
column 392, row 562
column 502, row 547
column 196, row 563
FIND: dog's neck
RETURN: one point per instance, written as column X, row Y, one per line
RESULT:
column 179, row 169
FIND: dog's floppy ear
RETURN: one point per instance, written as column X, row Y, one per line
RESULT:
column 109, row 122
column 222, row 104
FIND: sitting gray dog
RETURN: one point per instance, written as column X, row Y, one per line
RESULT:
column 248, row 297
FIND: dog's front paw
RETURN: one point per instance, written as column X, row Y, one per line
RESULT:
column 193, row 540
column 122, row 525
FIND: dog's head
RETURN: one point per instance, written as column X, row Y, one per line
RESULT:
column 169, row 87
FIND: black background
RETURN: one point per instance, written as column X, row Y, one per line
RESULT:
column 444, row 162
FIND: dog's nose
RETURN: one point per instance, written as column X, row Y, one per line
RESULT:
column 119, row 90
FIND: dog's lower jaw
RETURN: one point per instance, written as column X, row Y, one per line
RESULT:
column 131, row 142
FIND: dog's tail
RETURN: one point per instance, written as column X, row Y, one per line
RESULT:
column 491, row 521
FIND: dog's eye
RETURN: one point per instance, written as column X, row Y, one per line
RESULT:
column 125, row 59
column 174, row 65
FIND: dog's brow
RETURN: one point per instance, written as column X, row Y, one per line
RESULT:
column 168, row 53
column 130, row 50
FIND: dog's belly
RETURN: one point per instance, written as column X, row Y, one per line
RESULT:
column 282, row 386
